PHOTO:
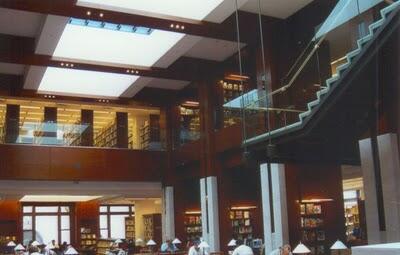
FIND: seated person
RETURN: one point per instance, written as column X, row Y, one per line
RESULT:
column 196, row 250
column 168, row 246
column 242, row 249
column 284, row 250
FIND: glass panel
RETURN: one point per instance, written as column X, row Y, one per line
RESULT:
column 46, row 229
column 27, row 223
column 103, row 221
column 65, row 222
column 28, row 236
column 46, row 209
column 103, row 233
column 103, row 208
column 119, row 209
column 66, row 236
column 27, row 209
column 350, row 194
column 64, row 209
column 117, row 224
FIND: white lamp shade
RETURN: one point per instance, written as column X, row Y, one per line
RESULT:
column 118, row 241
column 176, row 241
column 19, row 247
column 71, row 251
column 138, row 241
column 35, row 243
column 301, row 249
column 338, row 245
column 151, row 242
column 11, row 243
column 204, row 245
column 232, row 243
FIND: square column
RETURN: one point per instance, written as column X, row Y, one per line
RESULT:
column 209, row 212
column 371, row 202
column 273, row 192
column 390, row 174
column 168, row 216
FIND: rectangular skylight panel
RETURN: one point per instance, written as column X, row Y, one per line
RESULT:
column 84, row 83
column 118, row 47
column 188, row 9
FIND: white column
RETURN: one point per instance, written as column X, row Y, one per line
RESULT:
column 168, row 214
column 371, row 205
column 280, row 236
column 209, row 212
column 390, row 174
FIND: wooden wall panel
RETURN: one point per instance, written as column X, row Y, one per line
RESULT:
column 27, row 162
column 87, row 215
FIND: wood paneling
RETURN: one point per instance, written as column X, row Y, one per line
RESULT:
column 306, row 181
column 87, row 215
column 87, row 122
column 27, row 162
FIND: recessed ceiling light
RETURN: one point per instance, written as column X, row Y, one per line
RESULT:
column 84, row 83
column 188, row 9
column 106, row 46
column 56, row 198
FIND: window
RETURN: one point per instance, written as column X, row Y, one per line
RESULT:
column 45, row 223
column 112, row 220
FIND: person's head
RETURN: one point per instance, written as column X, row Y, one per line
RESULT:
column 286, row 249
column 196, row 243
column 239, row 242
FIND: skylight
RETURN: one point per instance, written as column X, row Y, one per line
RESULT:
column 188, row 9
column 84, row 83
column 103, row 45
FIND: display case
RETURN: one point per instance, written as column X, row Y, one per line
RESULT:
column 312, row 227
column 130, row 228
column 193, row 227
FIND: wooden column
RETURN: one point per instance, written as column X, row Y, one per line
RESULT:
column 87, row 123
column 50, row 128
column 122, row 129
column 12, row 123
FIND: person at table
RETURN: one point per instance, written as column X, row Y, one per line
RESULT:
column 168, row 246
column 242, row 249
column 196, row 250
column 284, row 250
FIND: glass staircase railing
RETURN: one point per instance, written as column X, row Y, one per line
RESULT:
column 350, row 28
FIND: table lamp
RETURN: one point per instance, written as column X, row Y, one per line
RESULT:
column 176, row 241
column 138, row 242
column 71, row 251
column 151, row 244
column 35, row 243
column 19, row 247
column 232, row 243
column 11, row 244
column 118, row 241
column 339, row 246
column 301, row 249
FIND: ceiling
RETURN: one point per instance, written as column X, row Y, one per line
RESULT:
column 56, row 37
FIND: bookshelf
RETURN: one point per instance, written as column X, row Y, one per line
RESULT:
column 312, row 227
column 152, row 227
column 242, row 224
column 231, row 90
column 106, row 137
column 88, row 239
column 193, row 227
column 130, row 228
column 145, row 136
column 104, row 245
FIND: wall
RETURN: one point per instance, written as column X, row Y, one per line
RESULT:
column 323, row 181
column 143, row 207
column 27, row 162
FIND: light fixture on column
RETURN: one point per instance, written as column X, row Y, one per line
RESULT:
column 301, row 249
column 339, row 246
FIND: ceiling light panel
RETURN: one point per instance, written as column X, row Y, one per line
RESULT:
column 57, row 198
column 188, row 9
column 84, row 83
column 112, row 44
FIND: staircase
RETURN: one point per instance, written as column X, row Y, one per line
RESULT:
column 353, row 62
